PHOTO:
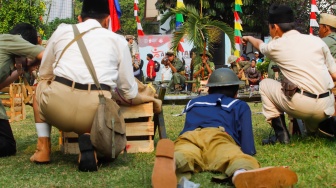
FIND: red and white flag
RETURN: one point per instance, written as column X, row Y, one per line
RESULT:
column 313, row 22
column 136, row 10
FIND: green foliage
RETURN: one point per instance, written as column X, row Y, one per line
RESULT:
column 127, row 20
column 17, row 11
column 52, row 26
column 263, row 67
column 202, row 31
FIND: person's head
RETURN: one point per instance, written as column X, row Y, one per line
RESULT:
column 205, row 56
column 97, row 9
column 232, row 60
column 280, row 19
column 27, row 32
column 193, row 53
column 171, row 55
column 149, row 56
column 253, row 63
column 256, row 54
column 223, row 81
column 327, row 24
column 130, row 38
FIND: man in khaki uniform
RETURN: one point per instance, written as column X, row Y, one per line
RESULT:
column 327, row 31
column 239, row 67
column 313, row 74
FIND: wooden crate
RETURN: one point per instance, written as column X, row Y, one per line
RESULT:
column 68, row 143
column 139, row 131
column 15, row 102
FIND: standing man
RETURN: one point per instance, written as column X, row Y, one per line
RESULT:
column 257, row 58
column 132, row 45
column 305, row 90
column 151, row 74
column 66, row 96
column 178, row 73
column 327, row 31
column 19, row 44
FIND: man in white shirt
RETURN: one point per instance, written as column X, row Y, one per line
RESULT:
column 66, row 96
column 166, row 72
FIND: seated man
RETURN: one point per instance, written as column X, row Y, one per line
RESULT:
column 178, row 71
column 217, row 136
column 66, row 96
column 19, row 44
column 253, row 74
column 238, row 67
column 203, row 70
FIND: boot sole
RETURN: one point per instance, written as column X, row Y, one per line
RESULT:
column 87, row 162
column 164, row 166
column 269, row 177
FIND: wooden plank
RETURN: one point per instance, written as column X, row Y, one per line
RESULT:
column 143, row 146
column 70, row 148
column 142, row 110
column 69, row 134
column 140, row 128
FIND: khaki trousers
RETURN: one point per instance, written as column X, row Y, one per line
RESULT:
column 311, row 111
column 67, row 108
column 210, row 149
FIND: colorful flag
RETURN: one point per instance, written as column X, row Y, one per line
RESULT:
column 313, row 22
column 179, row 17
column 237, row 27
column 136, row 10
column 115, row 13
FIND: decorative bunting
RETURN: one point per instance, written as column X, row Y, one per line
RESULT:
column 313, row 22
column 237, row 27
column 136, row 10
column 179, row 17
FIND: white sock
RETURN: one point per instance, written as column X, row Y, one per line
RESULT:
column 43, row 129
column 238, row 172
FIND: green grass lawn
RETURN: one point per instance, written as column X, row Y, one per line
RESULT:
column 312, row 158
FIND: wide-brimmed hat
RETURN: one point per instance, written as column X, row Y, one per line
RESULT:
column 328, row 19
column 207, row 53
column 232, row 59
column 170, row 52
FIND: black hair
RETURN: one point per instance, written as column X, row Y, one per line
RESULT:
column 229, row 91
column 285, row 26
column 97, row 16
column 26, row 30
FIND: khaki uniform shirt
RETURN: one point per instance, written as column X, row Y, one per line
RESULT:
column 177, row 63
column 330, row 40
column 11, row 46
column 303, row 59
column 242, row 65
column 206, row 73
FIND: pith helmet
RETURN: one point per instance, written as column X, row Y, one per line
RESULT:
column 232, row 59
column 207, row 54
column 223, row 77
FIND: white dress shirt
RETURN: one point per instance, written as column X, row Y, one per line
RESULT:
column 109, row 53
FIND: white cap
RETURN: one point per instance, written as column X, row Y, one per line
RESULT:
column 256, row 52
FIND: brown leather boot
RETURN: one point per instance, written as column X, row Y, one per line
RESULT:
column 42, row 152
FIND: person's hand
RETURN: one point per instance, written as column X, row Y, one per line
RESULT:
column 245, row 40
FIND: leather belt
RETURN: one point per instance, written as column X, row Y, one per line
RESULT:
column 79, row 85
column 311, row 95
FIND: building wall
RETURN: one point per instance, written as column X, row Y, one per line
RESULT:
column 61, row 9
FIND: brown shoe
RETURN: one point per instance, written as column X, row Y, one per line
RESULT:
column 163, row 175
column 265, row 177
column 42, row 152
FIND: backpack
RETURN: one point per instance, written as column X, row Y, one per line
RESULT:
column 157, row 66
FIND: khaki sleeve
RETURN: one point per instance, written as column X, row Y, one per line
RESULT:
column 330, row 61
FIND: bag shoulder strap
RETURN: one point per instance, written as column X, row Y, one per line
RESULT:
column 86, row 56
column 77, row 37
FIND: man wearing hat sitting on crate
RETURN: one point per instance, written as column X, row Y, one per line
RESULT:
column 178, row 71
column 305, row 91
column 203, row 70
column 20, row 42
column 67, row 97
